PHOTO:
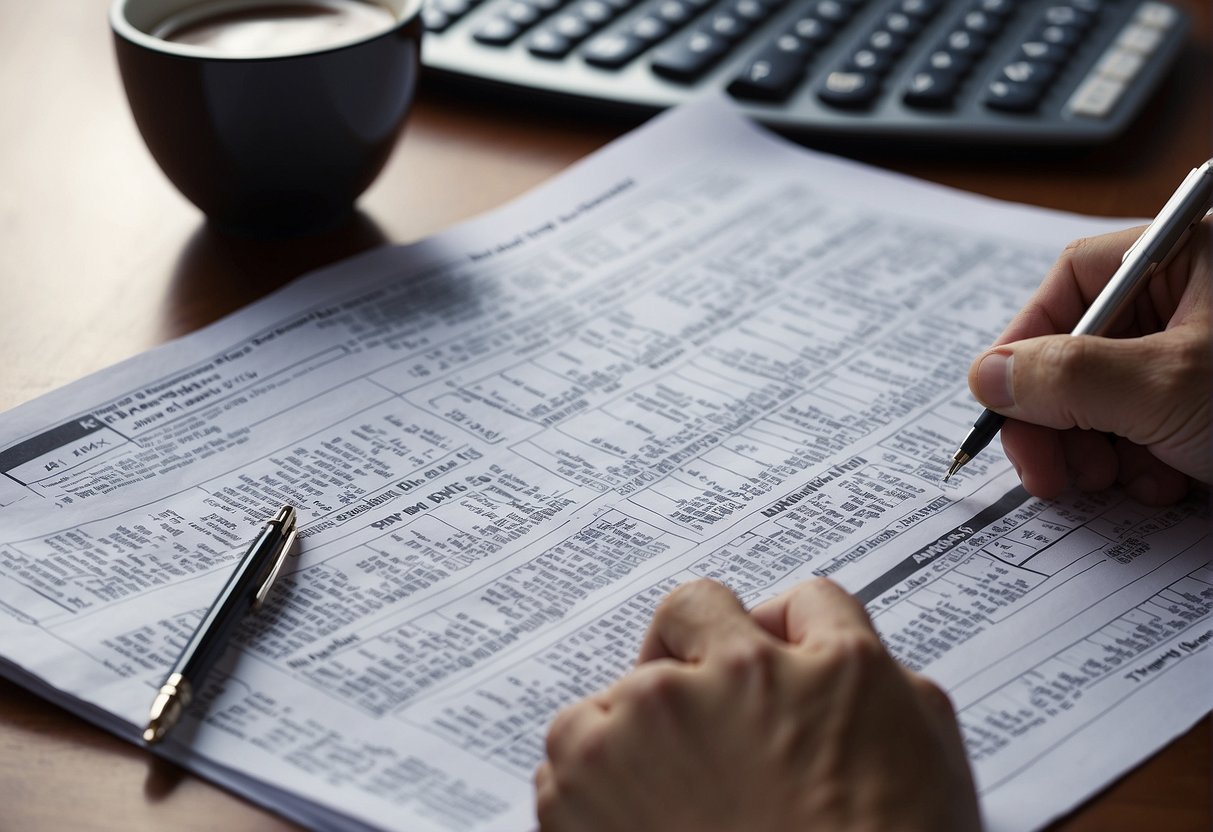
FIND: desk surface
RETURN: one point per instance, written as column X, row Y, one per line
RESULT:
column 101, row 259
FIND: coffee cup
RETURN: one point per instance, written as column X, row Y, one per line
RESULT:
column 271, row 116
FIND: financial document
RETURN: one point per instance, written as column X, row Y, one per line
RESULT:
column 702, row 352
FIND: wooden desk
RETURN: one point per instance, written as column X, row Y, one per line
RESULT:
column 100, row 259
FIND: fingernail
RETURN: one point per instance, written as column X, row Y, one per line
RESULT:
column 994, row 380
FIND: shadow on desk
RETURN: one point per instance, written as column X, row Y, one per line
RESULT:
column 218, row 273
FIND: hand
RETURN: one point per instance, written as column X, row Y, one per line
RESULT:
column 790, row 718
column 1131, row 408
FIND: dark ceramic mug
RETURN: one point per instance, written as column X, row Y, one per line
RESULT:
column 279, row 144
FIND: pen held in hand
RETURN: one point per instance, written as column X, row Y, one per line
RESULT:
column 1191, row 201
column 244, row 592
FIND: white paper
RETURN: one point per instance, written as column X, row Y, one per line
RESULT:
column 702, row 352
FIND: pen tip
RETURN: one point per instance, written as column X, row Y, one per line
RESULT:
column 958, row 462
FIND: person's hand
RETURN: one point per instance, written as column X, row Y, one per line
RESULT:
column 790, row 718
column 1131, row 408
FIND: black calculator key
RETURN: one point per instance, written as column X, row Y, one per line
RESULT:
column 1067, row 16
column 1058, row 35
column 981, row 23
column 902, row 24
column 770, row 76
column 966, row 43
column 1038, row 50
column 1029, row 72
column 524, row 14
column 1012, row 97
column 572, row 26
column 612, row 51
column 675, row 12
column 886, row 42
column 831, row 11
column 688, row 57
column 750, row 10
column 497, row 31
column 435, row 20
column 728, row 26
column 649, row 29
column 921, row 9
column 869, row 60
column 812, row 30
column 945, row 61
column 1000, row 8
column 932, row 88
column 595, row 12
column 548, row 43
column 849, row 89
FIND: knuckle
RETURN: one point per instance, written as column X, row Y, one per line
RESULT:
column 657, row 689
column 855, row 652
column 750, row 660
column 560, row 731
column 684, row 597
column 935, row 697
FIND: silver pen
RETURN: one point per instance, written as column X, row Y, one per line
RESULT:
column 244, row 592
column 1152, row 251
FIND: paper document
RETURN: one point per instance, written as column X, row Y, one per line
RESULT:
column 702, row 352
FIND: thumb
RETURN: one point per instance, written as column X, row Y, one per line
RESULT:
column 1117, row 385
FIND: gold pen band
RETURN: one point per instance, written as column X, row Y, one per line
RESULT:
column 170, row 703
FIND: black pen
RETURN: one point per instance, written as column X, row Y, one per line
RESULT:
column 1153, row 249
column 244, row 592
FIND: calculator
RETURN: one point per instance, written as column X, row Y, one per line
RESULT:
column 1005, row 72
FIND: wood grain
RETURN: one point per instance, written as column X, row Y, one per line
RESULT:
column 101, row 259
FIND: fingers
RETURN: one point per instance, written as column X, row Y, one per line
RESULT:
column 693, row 619
column 813, row 612
column 1070, row 286
column 1061, row 381
column 1147, row 478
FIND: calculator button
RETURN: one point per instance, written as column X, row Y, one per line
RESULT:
column 524, row 14
column 849, row 89
column 902, row 24
column 981, row 23
column 750, row 10
column 1029, row 72
column 674, row 12
column 770, row 76
column 1038, row 50
column 1000, row 8
column 1120, row 64
column 1066, row 16
column 690, row 56
column 434, row 19
column 932, row 88
column 594, row 12
column 1058, row 35
column 1096, row 96
column 649, row 29
column 1012, row 97
column 942, row 60
column 920, row 9
column 812, row 30
column 966, row 43
column 869, row 60
column 497, row 31
column 548, row 43
column 831, row 11
column 1157, row 15
column 612, row 51
column 1140, row 38
column 728, row 26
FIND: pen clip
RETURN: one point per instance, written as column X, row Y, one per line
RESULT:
column 283, row 549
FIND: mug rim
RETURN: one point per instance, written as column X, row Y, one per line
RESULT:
column 410, row 11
